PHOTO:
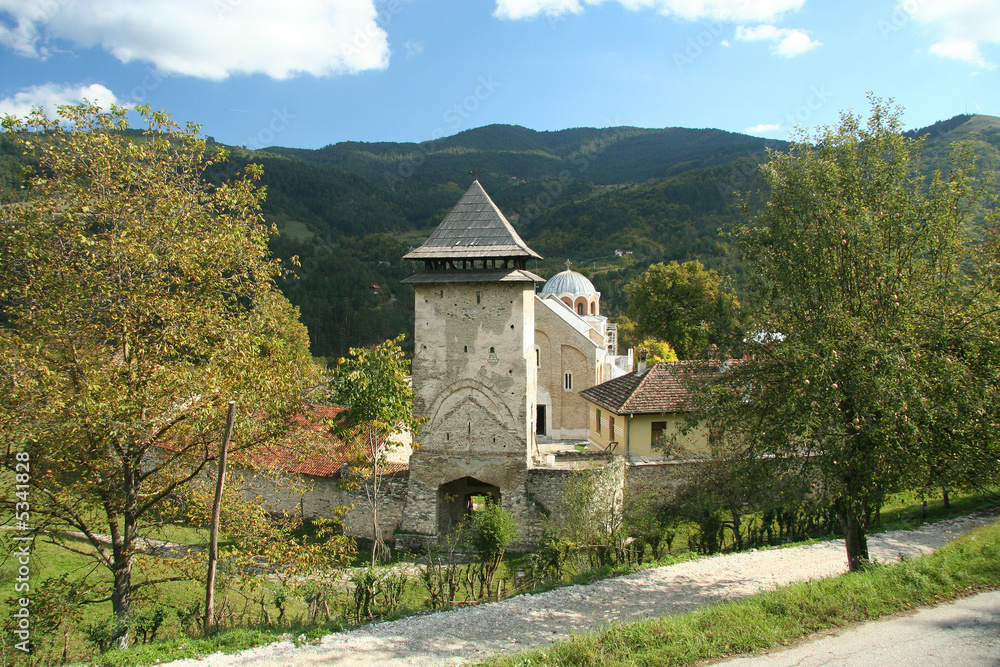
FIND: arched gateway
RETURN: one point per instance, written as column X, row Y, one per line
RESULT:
column 457, row 500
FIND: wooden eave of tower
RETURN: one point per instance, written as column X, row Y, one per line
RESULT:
column 474, row 243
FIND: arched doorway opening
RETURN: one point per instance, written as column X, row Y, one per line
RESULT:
column 460, row 498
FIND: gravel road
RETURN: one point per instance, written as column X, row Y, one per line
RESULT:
column 474, row 633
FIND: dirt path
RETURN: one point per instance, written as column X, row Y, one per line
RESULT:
column 474, row 633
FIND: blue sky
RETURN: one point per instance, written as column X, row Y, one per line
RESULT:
column 308, row 73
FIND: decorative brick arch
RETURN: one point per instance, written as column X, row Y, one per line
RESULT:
column 469, row 390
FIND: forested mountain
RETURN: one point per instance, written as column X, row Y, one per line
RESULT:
column 627, row 154
column 509, row 156
column 349, row 211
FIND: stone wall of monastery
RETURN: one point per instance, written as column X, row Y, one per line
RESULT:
column 534, row 496
column 315, row 497
column 473, row 362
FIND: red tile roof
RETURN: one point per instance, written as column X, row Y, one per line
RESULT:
column 325, row 453
column 663, row 388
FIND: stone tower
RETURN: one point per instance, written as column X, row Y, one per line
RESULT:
column 473, row 368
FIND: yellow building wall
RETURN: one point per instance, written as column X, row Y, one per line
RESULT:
column 640, row 431
column 634, row 434
column 601, row 436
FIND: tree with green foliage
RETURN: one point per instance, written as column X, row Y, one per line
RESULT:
column 492, row 529
column 135, row 302
column 589, row 518
column 684, row 305
column 873, row 348
column 657, row 350
column 373, row 387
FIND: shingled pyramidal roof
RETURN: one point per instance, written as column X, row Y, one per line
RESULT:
column 474, row 237
column 474, row 228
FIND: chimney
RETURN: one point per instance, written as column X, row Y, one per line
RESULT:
column 640, row 365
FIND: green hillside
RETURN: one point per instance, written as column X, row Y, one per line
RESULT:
column 984, row 131
column 349, row 211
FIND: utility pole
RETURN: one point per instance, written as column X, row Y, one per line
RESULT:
column 213, row 544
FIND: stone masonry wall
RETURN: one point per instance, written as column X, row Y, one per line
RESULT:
column 471, row 372
column 666, row 475
column 531, row 496
column 321, row 497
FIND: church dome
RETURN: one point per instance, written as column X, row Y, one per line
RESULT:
column 569, row 282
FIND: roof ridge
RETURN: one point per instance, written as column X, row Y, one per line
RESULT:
column 661, row 388
column 639, row 385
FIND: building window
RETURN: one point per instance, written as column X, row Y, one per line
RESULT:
column 611, row 427
column 579, row 308
column 593, row 308
column 656, row 435
column 598, row 422
column 477, row 296
column 538, row 358
column 568, row 382
column 493, row 356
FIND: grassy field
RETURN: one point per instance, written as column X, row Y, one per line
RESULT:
column 904, row 512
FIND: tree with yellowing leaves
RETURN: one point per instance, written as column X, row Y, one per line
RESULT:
column 136, row 300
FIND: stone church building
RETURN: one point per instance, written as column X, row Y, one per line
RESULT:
column 575, row 348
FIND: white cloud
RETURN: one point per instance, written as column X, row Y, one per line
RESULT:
column 763, row 128
column 785, row 42
column 961, row 49
column 211, row 39
column 751, row 11
column 962, row 27
column 50, row 96
column 527, row 9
